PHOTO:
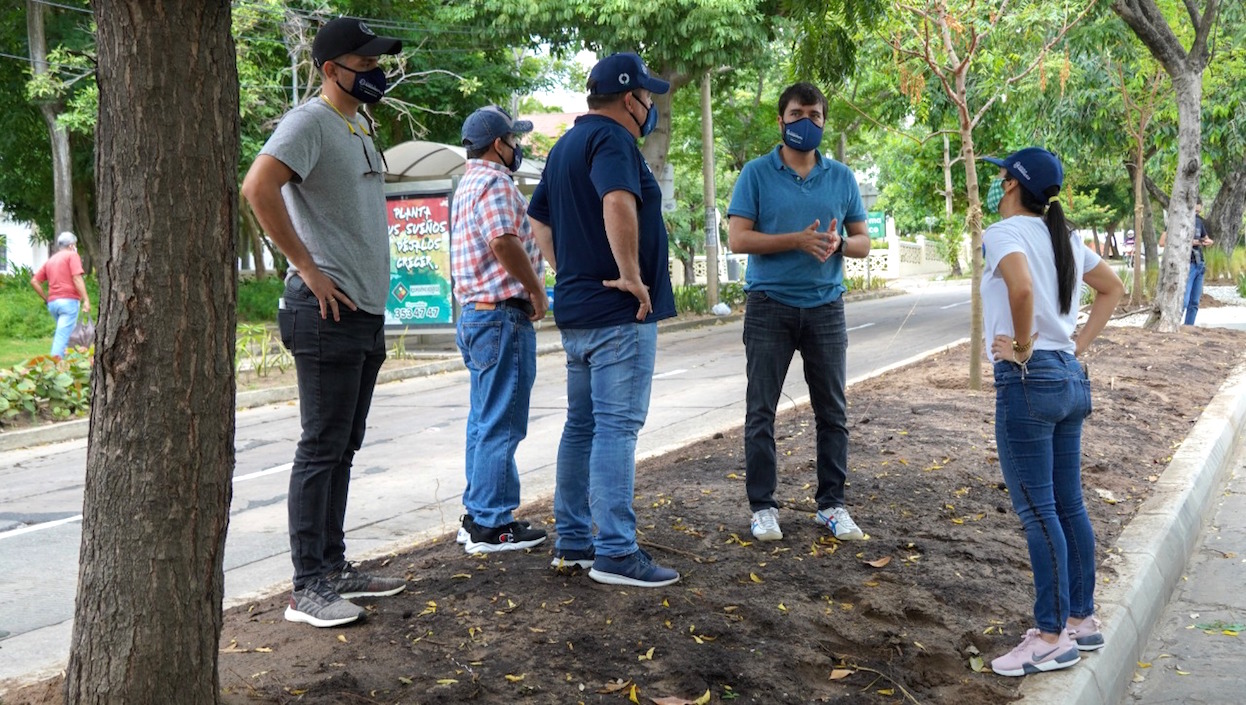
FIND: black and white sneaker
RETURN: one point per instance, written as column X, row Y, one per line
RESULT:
column 512, row 537
column 465, row 528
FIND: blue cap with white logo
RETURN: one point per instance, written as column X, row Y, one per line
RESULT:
column 619, row 73
column 1034, row 168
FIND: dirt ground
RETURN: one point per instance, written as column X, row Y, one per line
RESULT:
column 896, row 618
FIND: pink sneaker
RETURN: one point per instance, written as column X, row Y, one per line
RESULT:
column 1033, row 655
column 1087, row 634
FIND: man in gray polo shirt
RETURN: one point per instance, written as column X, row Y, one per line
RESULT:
column 317, row 188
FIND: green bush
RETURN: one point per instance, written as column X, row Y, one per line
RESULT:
column 1241, row 286
column 690, row 299
column 46, row 387
column 257, row 299
column 1222, row 266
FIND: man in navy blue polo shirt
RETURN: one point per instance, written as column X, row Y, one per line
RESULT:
column 597, row 215
column 797, row 214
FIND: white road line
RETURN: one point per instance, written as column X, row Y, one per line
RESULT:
column 672, row 373
column 863, row 325
column 70, row 520
column 959, row 303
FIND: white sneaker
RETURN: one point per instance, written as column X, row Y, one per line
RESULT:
column 840, row 523
column 766, row 524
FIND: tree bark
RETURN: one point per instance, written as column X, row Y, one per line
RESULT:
column 1224, row 220
column 160, row 457
column 62, row 172
column 658, row 143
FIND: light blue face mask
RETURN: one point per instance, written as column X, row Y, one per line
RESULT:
column 995, row 194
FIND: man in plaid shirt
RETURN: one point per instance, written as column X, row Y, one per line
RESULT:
column 498, row 279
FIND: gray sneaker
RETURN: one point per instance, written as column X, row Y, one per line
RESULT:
column 350, row 582
column 318, row 605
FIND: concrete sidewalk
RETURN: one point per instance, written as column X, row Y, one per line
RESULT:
column 1149, row 559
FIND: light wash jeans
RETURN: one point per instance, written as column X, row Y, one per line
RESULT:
column 1039, row 410
column 499, row 350
column 609, row 377
column 65, row 311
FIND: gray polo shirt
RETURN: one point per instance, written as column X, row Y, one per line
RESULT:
column 337, row 208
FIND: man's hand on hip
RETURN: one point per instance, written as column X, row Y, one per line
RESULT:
column 638, row 289
column 326, row 292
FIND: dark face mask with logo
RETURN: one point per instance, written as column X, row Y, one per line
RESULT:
column 369, row 86
column 802, row 135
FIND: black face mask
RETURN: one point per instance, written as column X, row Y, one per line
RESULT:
column 369, row 85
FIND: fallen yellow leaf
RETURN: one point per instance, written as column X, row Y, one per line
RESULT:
column 447, row 681
column 754, row 578
column 614, row 686
column 879, row 563
column 267, row 650
column 841, row 673
column 515, row 679
column 632, row 695
column 887, row 691
column 782, row 607
column 340, row 637
column 647, row 656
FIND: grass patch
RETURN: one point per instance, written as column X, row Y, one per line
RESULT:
column 15, row 352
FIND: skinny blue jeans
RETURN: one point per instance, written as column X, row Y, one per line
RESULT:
column 609, row 377
column 499, row 351
column 1193, row 291
column 1039, row 410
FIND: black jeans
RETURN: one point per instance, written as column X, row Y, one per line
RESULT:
column 773, row 332
column 337, row 363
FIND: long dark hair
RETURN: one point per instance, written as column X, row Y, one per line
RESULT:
column 1053, row 215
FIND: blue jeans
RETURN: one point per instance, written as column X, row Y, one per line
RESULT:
column 337, row 363
column 499, row 350
column 1039, row 411
column 773, row 332
column 65, row 311
column 609, row 376
column 1193, row 291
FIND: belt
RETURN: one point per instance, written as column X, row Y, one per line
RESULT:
column 515, row 303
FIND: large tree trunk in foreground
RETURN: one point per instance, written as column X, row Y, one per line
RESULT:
column 161, row 453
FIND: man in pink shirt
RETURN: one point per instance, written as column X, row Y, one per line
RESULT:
column 66, row 289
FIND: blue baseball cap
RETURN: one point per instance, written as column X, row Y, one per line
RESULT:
column 489, row 123
column 619, row 73
column 1034, row 168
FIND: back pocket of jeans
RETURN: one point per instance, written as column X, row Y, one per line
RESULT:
column 483, row 342
column 285, row 325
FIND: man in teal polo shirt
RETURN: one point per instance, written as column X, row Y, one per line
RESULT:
column 797, row 214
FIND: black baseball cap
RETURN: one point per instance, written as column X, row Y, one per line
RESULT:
column 347, row 35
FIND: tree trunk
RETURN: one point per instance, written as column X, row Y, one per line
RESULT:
column 1141, row 224
column 1169, row 298
column 974, row 221
column 84, row 228
column 1224, row 220
column 658, row 143
column 160, row 458
column 62, row 174
column 947, row 178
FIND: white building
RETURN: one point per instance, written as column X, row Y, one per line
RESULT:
column 17, row 248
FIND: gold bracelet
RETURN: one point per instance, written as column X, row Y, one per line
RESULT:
column 1019, row 348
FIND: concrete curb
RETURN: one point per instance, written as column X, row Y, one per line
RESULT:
column 1150, row 556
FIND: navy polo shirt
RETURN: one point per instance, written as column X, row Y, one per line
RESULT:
column 597, row 156
column 778, row 200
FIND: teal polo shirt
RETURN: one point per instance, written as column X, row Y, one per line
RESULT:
column 778, row 200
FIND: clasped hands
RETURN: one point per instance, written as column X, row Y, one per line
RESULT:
column 821, row 244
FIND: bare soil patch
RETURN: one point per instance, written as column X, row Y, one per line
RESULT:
column 751, row 622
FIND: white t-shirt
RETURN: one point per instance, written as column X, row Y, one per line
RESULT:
column 1029, row 236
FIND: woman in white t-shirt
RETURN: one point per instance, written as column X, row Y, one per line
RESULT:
column 1029, row 303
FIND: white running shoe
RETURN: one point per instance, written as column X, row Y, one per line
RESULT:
column 766, row 524
column 840, row 523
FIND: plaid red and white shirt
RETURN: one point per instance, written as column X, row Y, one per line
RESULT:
column 488, row 205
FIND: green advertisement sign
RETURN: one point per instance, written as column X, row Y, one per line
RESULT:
column 420, row 292
column 876, row 223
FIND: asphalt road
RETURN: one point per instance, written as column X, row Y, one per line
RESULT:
column 408, row 476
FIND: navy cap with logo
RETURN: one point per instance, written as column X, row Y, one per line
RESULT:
column 619, row 73
column 1034, row 168
column 489, row 123
column 347, row 35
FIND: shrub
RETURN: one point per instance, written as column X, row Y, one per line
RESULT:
column 1223, row 266
column 46, row 387
column 257, row 299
